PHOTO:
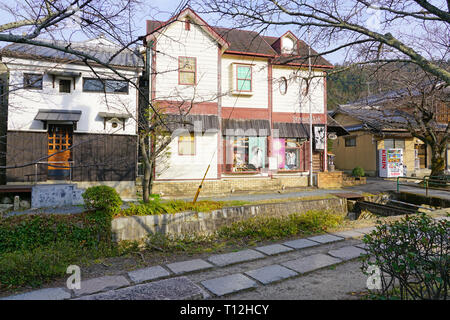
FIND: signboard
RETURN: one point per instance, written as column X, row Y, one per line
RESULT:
column 391, row 163
column 319, row 137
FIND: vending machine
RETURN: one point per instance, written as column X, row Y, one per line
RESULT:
column 391, row 163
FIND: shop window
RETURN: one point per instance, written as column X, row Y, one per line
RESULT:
column 289, row 153
column 350, row 142
column 186, row 145
column 248, row 153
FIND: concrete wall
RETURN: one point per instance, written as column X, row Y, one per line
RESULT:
column 138, row 227
column 188, row 189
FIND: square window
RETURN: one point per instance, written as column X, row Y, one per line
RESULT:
column 187, row 68
column 350, row 142
column 64, row 86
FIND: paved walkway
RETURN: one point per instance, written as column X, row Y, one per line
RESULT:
column 327, row 261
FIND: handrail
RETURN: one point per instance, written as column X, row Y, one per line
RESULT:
column 426, row 183
column 50, row 164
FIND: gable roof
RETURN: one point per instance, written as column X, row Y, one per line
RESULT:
column 102, row 52
column 252, row 43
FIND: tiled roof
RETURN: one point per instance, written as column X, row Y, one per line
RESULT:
column 126, row 58
column 252, row 43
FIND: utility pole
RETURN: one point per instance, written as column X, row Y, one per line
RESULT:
column 311, row 135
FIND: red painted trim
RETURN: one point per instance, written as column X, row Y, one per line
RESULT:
column 270, row 105
column 219, row 112
column 318, row 118
column 325, row 161
column 245, row 113
column 187, row 25
column 253, row 54
column 195, row 72
column 153, row 72
column 173, row 107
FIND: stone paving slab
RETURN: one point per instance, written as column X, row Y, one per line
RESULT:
column 365, row 230
column 311, row 263
column 325, row 238
column 273, row 273
column 349, row 234
column 42, row 294
column 347, row 253
column 147, row 274
column 301, row 243
column 361, row 246
column 229, row 284
column 101, row 284
column 189, row 266
column 180, row 288
column 235, row 257
column 273, row 249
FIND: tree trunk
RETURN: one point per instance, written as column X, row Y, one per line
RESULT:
column 147, row 169
column 437, row 160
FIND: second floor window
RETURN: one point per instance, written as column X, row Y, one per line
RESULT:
column 32, row 81
column 105, row 85
column 64, row 86
column 186, row 145
column 187, row 70
column 244, row 78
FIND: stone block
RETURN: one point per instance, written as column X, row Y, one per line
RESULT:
column 300, row 243
column 229, row 284
column 101, row 284
column 325, row 238
column 42, row 294
column 273, row 273
column 189, row 266
column 273, row 249
column 347, row 253
column 311, row 263
column 235, row 257
column 147, row 274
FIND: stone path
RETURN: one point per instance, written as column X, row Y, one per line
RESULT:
column 220, row 275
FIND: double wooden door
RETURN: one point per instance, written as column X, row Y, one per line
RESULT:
column 59, row 143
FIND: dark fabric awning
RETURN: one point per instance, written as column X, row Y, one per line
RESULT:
column 233, row 127
column 334, row 126
column 191, row 122
column 291, row 130
column 58, row 115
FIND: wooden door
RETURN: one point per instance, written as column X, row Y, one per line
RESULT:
column 59, row 142
column 422, row 155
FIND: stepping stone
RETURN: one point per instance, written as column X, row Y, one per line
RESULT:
column 180, row 288
column 101, row 284
column 347, row 253
column 235, row 257
column 271, row 274
column 326, row 238
column 300, row 243
column 189, row 266
column 273, row 249
column 311, row 263
column 42, row 294
column 350, row 234
column 147, row 274
column 229, row 284
column 365, row 230
column 361, row 246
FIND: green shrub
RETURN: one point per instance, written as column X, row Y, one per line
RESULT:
column 27, row 232
column 358, row 172
column 413, row 256
column 102, row 198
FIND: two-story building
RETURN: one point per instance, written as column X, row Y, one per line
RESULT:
column 249, row 100
column 69, row 121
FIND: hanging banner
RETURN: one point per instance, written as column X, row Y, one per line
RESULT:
column 319, row 137
column 257, row 152
column 279, row 152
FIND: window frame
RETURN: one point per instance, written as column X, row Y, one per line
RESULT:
column 298, row 148
column 237, row 65
column 193, row 142
column 25, row 86
column 394, row 143
column 69, row 86
column 347, row 145
column 180, row 71
column 103, row 81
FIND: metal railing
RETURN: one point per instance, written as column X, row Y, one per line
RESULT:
column 424, row 183
column 53, row 164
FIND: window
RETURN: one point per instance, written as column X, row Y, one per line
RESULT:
column 247, row 153
column 64, row 86
column 350, row 142
column 187, row 70
column 186, row 145
column 105, row 85
column 394, row 144
column 283, row 85
column 32, row 81
column 289, row 153
column 289, row 46
column 244, row 78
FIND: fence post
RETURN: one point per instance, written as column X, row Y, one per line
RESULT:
column 398, row 184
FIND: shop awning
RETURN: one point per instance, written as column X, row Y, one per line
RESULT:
column 58, row 115
column 234, row 127
column 291, row 130
column 191, row 122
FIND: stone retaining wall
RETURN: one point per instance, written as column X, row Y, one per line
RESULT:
column 138, row 227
